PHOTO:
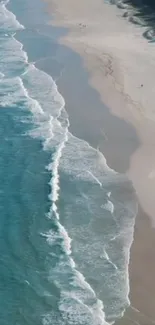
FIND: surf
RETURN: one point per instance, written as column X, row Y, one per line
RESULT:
column 86, row 171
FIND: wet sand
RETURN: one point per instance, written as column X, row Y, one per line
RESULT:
column 142, row 268
column 122, row 125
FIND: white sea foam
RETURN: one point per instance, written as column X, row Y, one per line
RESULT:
column 89, row 237
column 83, row 313
column 2, row 75
column 109, row 206
column 57, row 139
column 20, row 45
column 95, row 178
column 109, row 194
column 76, row 295
column 78, row 155
column 13, row 58
column 8, row 19
column 66, row 240
column 13, row 92
column 33, row 103
column 43, row 87
column 74, row 311
column 53, row 167
column 109, row 260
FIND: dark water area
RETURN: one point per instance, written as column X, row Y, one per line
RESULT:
column 140, row 12
column 142, row 3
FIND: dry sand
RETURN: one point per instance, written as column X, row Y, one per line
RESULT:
column 122, row 69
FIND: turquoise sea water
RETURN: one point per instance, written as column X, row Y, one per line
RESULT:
column 66, row 219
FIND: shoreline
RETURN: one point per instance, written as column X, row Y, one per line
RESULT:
column 108, row 74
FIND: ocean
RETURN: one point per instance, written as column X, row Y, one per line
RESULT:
column 67, row 219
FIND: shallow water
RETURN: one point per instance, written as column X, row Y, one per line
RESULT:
column 67, row 219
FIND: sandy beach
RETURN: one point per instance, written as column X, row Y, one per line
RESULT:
column 121, row 66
